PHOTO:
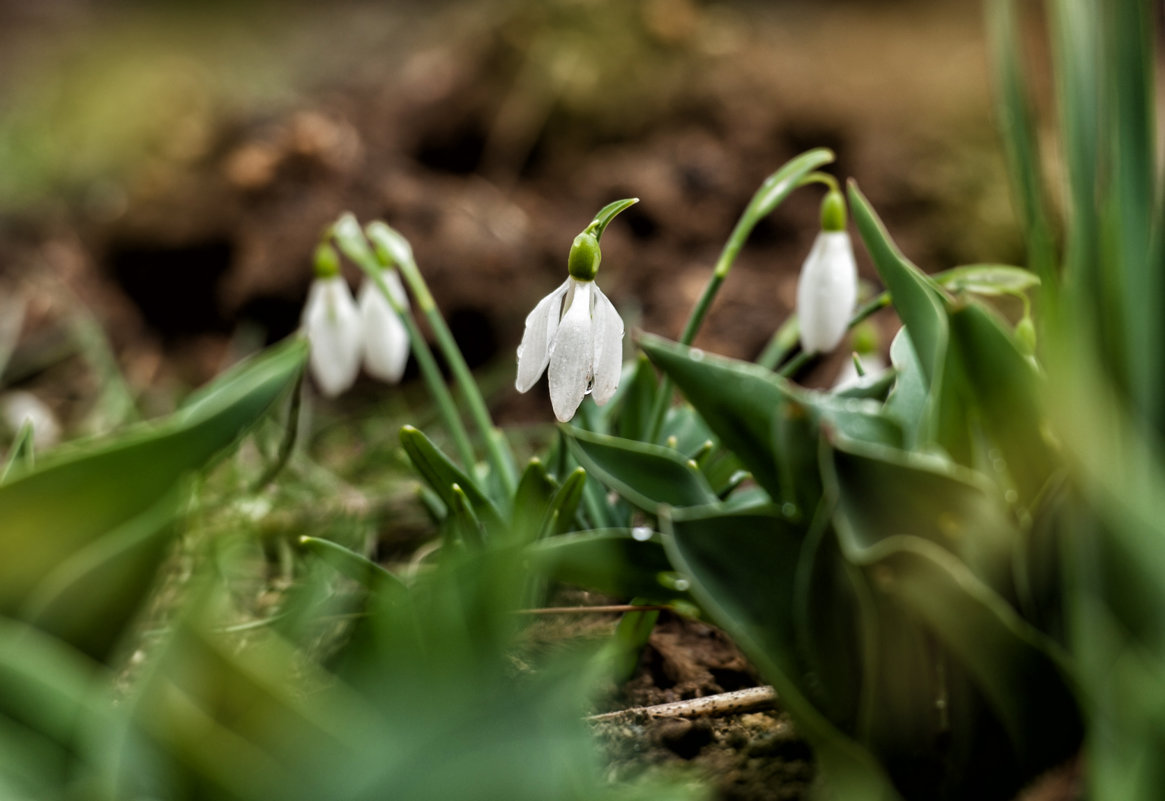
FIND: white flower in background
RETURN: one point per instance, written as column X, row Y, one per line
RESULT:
column 20, row 407
column 873, row 367
column 827, row 290
column 386, row 340
column 333, row 327
column 576, row 331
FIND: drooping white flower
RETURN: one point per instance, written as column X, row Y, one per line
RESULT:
column 827, row 290
column 386, row 340
column 20, row 407
column 576, row 331
column 334, row 330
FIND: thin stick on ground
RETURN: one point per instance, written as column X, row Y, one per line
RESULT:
column 706, row 707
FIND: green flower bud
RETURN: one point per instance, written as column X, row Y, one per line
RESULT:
column 833, row 211
column 327, row 261
column 1025, row 335
column 865, row 338
column 584, row 258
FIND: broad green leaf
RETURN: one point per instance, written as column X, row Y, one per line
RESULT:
column 1001, row 390
column 646, row 475
column 93, row 595
column 1009, row 661
column 80, row 492
column 769, row 423
column 742, row 567
column 611, row 561
column 913, row 294
column 909, row 401
column 737, row 400
column 635, row 399
column 441, row 474
column 884, row 493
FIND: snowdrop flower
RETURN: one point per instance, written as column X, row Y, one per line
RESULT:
column 333, row 326
column 386, row 341
column 20, row 407
column 828, row 287
column 576, row 331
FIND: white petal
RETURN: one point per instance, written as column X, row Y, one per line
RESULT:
column 827, row 292
column 573, row 352
column 541, row 325
column 608, row 327
column 386, row 341
column 396, row 288
column 332, row 323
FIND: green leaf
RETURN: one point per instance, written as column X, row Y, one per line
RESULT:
column 742, row 567
column 362, row 570
column 909, row 401
column 21, row 455
column 646, row 475
column 610, row 561
column 1002, row 391
column 989, row 280
column 1008, row 660
column 49, row 694
column 441, row 474
column 531, row 502
column 80, row 493
column 884, row 493
column 635, row 400
column 90, row 598
column 914, row 296
column 560, row 514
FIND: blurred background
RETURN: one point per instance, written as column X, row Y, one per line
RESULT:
column 166, row 168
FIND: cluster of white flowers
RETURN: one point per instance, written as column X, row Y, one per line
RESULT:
column 345, row 332
column 576, row 332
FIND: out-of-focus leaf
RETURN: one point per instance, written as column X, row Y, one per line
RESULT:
column 21, row 455
column 885, row 493
column 989, row 280
column 90, row 597
column 49, row 694
column 80, row 493
column 611, row 561
column 441, row 474
column 646, row 475
column 1002, row 391
column 1010, row 662
column 360, row 569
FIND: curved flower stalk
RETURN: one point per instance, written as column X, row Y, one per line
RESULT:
column 576, row 335
column 827, row 290
column 386, row 340
column 333, row 326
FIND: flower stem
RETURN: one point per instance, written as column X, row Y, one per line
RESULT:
column 430, row 371
column 800, row 358
column 500, row 459
column 771, row 194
